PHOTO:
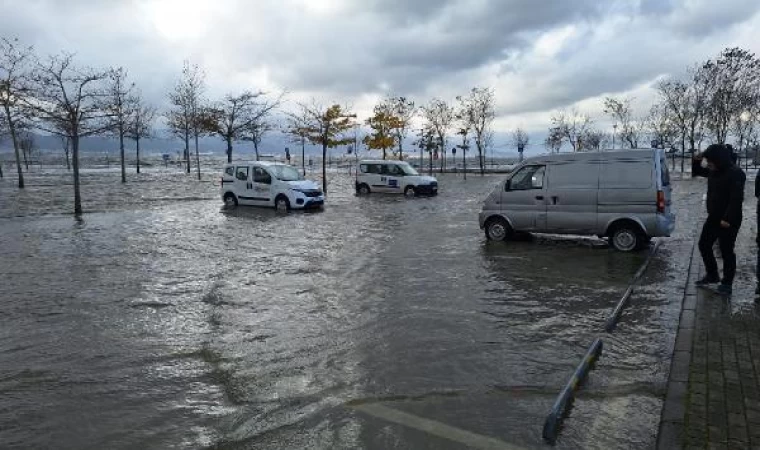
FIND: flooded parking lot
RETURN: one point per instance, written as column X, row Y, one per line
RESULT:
column 161, row 320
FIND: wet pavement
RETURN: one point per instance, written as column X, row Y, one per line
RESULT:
column 161, row 320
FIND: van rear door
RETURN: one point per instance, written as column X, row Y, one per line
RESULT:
column 572, row 197
column 663, row 184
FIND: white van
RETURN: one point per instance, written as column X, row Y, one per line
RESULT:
column 622, row 195
column 393, row 177
column 269, row 184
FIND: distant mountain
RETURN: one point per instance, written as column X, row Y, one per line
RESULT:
column 274, row 144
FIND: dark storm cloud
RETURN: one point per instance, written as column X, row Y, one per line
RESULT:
column 538, row 55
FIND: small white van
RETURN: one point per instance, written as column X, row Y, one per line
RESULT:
column 393, row 177
column 269, row 184
column 621, row 195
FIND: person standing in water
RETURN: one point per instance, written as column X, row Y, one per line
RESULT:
column 725, row 196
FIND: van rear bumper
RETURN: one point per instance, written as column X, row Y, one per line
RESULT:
column 665, row 225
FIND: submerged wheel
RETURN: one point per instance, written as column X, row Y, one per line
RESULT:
column 627, row 238
column 410, row 192
column 230, row 201
column 363, row 189
column 497, row 229
column 282, row 204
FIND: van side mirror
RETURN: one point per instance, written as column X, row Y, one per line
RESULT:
column 508, row 185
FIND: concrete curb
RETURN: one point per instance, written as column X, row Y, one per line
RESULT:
column 671, row 429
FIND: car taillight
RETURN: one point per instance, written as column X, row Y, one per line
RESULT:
column 660, row 201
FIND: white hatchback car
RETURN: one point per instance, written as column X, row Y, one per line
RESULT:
column 269, row 184
column 393, row 177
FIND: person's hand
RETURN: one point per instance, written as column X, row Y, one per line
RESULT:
column 724, row 224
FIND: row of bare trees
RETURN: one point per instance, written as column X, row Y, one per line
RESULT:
column 470, row 119
column 716, row 101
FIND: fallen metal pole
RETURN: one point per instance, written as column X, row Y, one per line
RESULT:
column 558, row 411
column 618, row 311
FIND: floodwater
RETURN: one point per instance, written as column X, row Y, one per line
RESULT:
column 162, row 320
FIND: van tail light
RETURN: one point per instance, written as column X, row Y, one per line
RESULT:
column 660, row 201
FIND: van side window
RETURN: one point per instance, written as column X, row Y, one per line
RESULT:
column 230, row 171
column 376, row 168
column 394, row 170
column 261, row 176
column 242, row 173
column 531, row 177
column 364, row 168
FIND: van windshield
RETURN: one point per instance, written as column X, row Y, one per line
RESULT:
column 408, row 170
column 286, row 173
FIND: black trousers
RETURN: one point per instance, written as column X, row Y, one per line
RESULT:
column 726, row 237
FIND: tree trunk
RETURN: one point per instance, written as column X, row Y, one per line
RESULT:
column 121, row 151
column 303, row 155
column 229, row 149
column 481, row 160
column 67, row 150
column 464, row 163
column 400, row 149
column 187, row 148
column 197, row 156
column 75, row 157
column 26, row 159
column 430, row 163
column 383, row 154
column 324, row 168
column 137, row 152
column 14, row 138
column 256, row 148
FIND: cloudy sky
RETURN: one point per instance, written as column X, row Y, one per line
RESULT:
column 538, row 55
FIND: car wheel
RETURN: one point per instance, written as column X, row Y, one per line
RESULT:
column 410, row 192
column 282, row 204
column 626, row 238
column 363, row 189
column 230, row 201
column 497, row 229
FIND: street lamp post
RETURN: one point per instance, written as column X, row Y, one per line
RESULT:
column 614, row 133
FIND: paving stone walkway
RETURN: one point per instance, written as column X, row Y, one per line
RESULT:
column 713, row 399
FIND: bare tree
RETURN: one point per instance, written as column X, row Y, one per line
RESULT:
column 569, row 127
column 28, row 147
column 236, row 114
column 298, row 129
column 255, row 131
column 3, row 133
column 464, row 123
column 478, row 108
column 735, row 80
column 440, row 116
column 69, row 101
column 621, row 111
column 595, row 139
column 121, row 108
column 186, row 99
column 140, row 125
column 15, row 85
column 661, row 127
column 520, row 140
column 404, row 111
column 326, row 127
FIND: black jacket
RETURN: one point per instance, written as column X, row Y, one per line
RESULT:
column 725, row 186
